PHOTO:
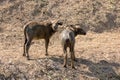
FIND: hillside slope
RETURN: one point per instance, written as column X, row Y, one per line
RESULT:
column 97, row 53
column 95, row 15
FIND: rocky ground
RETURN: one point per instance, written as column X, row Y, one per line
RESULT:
column 97, row 53
column 97, row 59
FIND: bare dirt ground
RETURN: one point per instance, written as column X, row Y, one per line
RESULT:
column 98, row 58
column 97, row 53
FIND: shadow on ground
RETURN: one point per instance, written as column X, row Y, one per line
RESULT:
column 51, row 68
column 102, row 70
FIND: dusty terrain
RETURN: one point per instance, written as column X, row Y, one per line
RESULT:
column 98, row 58
column 97, row 53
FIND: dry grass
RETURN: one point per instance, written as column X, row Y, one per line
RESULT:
column 97, row 58
column 97, row 53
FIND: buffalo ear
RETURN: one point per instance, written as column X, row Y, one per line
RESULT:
column 56, row 23
column 49, row 24
column 60, row 22
column 54, row 26
column 77, row 28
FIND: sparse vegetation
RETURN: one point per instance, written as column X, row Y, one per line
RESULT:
column 97, row 59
